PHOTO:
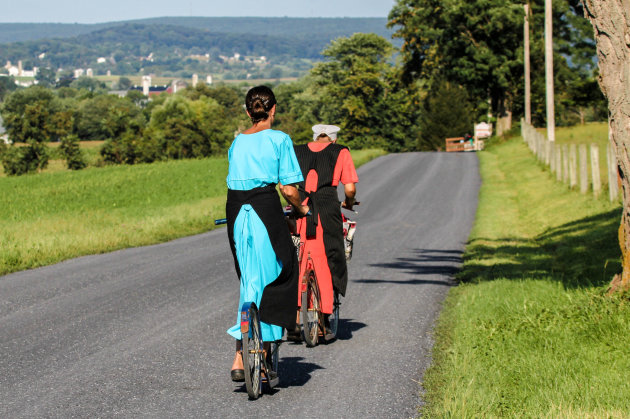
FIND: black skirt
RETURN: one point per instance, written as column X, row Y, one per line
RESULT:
column 279, row 300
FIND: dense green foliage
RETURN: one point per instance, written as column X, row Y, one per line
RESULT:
column 7, row 85
column 181, row 128
column 446, row 113
column 531, row 332
column 359, row 91
column 33, row 116
column 479, row 45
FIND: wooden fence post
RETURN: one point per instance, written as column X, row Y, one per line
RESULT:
column 547, row 152
column 572, row 166
column 583, row 169
column 597, row 183
column 613, row 187
column 565, row 163
column 552, row 158
column 558, row 163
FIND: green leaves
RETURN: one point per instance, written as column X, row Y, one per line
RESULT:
column 478, row 44
column 355, row 90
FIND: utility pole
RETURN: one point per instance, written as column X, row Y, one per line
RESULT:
column 528, row 88
column 551, row 121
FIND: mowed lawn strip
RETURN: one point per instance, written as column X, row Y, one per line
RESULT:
column 530, row 332
column 587, row 134
column 50, row 217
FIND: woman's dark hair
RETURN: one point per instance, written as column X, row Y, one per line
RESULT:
column 259, row 101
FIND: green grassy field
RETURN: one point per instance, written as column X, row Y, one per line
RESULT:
column 530, row 332
column 591, row 133
column 49, row 217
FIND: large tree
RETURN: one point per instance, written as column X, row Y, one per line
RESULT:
column 33, row 116
column 478, row 45
column 182, row 128
column 472, row 43
column 611, row 20
column 358, row 90
column 107, row 116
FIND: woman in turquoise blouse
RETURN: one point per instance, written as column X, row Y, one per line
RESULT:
column 264, row 257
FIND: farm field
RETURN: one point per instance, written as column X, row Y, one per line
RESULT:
column 56, row 215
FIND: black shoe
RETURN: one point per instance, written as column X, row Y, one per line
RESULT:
column 328, row 334
column 295, row 335
column 238, row 375
column 272, row 375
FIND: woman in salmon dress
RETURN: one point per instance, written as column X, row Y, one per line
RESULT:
column 324, row 165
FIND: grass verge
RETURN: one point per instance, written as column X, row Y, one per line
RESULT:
column 49, row 217
column 529, row 331
column 590, row 133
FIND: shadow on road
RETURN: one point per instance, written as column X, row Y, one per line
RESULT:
column 294, row 371
column 347, row 327
column 424, row 262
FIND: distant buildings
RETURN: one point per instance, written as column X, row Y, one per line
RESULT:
column 249, row 59
column 19, row 71
column 147, row 88
column 150, row 90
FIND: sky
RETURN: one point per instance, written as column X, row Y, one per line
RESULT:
column 91, row 11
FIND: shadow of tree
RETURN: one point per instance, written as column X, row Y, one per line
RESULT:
column 425, row 262
column 581, row 253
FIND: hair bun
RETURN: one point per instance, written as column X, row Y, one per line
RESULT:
column 259, row 102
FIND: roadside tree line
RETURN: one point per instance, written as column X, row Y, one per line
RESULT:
column 455, row 68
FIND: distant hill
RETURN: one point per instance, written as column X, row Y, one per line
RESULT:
column 169, row 45
column 282, row 26
column 18, row 32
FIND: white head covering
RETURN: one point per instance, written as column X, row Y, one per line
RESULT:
column 329, row 130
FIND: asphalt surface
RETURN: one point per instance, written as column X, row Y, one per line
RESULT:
column 141, row 332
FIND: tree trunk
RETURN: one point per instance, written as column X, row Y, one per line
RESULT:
column 611, row 22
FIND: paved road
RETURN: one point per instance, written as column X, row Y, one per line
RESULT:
column 141, row 332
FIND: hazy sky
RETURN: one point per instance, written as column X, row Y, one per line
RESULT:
column 91, row 11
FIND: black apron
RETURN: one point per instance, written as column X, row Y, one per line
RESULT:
column 324, row 203
column 279, row 300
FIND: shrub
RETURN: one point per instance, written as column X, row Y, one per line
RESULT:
column 71, row 153
column 21, row 160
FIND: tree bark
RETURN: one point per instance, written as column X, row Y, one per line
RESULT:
column 611, row 22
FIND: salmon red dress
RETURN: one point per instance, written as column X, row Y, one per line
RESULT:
column 324, row 166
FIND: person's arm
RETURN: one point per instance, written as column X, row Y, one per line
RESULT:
column 350, row 190
column 292, row 196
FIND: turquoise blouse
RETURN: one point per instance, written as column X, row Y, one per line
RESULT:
column 266, row 157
